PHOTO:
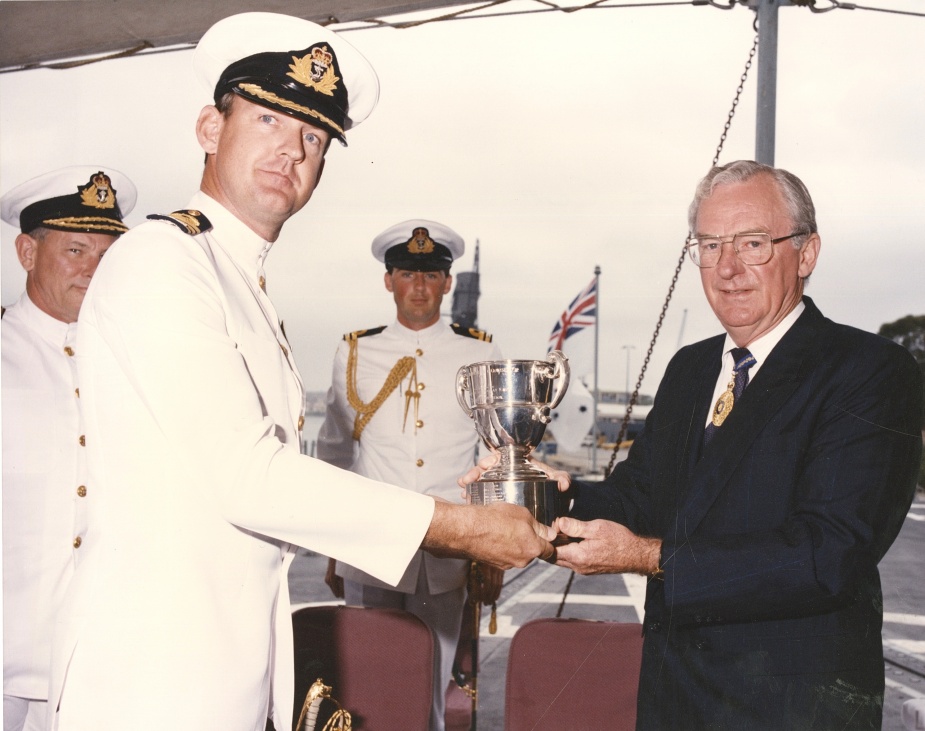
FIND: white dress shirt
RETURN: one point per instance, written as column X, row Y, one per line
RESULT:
column 760, row 349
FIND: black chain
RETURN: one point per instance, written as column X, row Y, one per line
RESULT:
column 677, row 271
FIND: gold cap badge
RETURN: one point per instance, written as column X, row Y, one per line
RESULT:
column 420, row 242
column 98, row 192
column 315, row 70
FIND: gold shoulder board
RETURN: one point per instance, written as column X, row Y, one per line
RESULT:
column 189, row 221
column 356, row 334
column 471, row 332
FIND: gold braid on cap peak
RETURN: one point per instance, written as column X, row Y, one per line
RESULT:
column 365, row 412
column 78, row 222
column 269, row 96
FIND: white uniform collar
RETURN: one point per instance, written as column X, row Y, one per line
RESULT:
column 48, row 328
column 429, row 332
column 245, row 247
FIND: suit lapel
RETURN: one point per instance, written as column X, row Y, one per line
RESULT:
column 707, row 371
column 785, row 369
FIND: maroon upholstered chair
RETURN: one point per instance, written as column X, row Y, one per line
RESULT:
column 573, row 675
column 379, row 663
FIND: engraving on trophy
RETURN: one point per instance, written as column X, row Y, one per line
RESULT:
column 510, row 402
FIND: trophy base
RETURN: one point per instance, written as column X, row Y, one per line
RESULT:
column 541, row 497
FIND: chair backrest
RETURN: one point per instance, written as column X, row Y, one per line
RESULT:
column 379, row 663
column 573, row 674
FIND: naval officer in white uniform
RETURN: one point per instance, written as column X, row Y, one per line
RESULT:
column 392, row 415
column 178, row 615
column 67, row 219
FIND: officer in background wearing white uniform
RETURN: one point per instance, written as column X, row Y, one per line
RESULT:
column 68, row 218
column 178, row 617
column 392, row 414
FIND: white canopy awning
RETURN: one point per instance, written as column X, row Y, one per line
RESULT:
column 35, row 32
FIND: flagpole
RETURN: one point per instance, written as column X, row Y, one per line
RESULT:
column 597, row 320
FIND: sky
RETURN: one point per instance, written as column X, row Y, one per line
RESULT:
column 560, row 142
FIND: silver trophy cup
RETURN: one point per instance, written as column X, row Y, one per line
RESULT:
column 510, row 401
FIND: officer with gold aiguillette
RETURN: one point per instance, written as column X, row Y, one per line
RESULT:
column 392, row 415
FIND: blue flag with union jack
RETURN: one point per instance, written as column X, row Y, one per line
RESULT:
column 581, row 313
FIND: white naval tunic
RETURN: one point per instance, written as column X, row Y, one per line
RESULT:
column 178, row 615
column 424, row 452
column 44, row 488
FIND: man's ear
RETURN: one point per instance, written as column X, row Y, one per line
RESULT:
column 388, row 281
column 448, row 284
column 809, row 255
column 25, row 250
column 209, row 128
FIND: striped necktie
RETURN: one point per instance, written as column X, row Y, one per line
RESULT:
column 743, row 361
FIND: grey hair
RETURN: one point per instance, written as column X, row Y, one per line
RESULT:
column 796, row 196
column 39, row 233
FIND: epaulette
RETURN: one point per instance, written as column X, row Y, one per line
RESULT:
column 189, row 221
column 471, row 332
column 356, row 334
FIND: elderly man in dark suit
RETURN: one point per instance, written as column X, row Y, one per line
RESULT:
column 773, row 473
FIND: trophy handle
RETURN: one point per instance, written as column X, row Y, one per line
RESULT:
column 562, row 372
column 462, row 389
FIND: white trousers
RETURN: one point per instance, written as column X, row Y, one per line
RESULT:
column 23, row 714
column 441, row 612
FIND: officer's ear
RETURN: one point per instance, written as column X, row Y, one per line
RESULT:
column 26, row 251
column 209, row 128
column 388, row 281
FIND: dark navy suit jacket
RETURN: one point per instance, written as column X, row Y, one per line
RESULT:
column 770, row 610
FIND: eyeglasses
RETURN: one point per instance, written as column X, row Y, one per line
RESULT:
column 753, row 249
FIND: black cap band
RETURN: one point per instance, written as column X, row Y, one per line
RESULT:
column 437, row 259
column 305, row 84
column 92, row 209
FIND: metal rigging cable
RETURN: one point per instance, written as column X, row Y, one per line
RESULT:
column 681, row 258
column 671, row 287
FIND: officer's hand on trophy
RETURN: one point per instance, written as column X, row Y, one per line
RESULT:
column 500, row 534
column 485, row 463
column 491, row 460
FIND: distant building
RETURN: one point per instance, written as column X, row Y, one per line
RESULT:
column 611, row 410
column 314, row 402
column 466, row 295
